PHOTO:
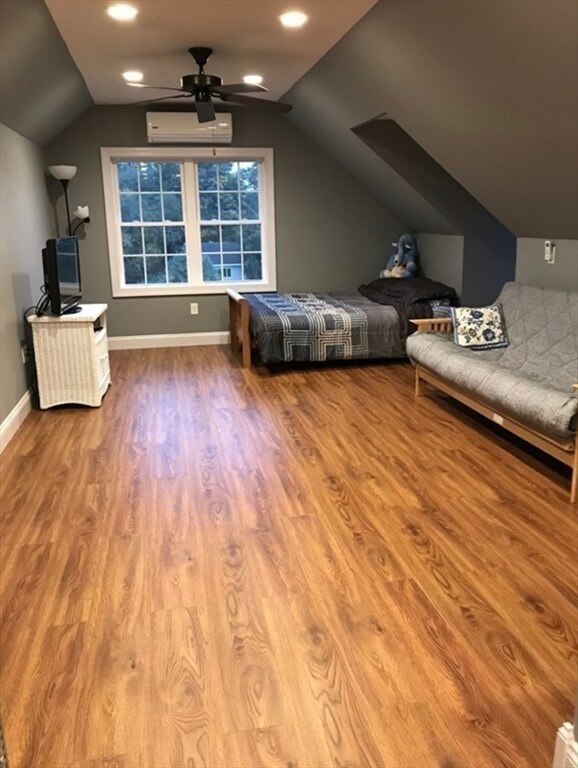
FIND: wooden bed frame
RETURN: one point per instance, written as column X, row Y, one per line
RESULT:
column 565, row 451
column 239, row 327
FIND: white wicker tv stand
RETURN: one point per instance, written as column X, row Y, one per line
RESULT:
column 71, row 354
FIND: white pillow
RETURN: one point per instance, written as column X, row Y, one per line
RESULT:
column 479, row 327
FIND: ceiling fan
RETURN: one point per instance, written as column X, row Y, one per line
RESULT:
column 203, row 88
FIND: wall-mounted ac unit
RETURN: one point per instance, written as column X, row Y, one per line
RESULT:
column 184, row 128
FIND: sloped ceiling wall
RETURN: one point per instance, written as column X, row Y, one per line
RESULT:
column 41, row 89
column 488, row 89
column 489, row 249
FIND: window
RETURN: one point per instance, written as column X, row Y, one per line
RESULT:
column 230, row 220
column 189, row 220
column 152, row 223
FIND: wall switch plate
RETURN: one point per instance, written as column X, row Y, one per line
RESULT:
column 24, row 354
column 194, row 309
column 549, row 252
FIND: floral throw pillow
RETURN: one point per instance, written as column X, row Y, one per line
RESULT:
column 479, row 327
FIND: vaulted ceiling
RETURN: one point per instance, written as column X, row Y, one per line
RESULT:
column 487, row 89
column 60, row 56
column 41, row 89
column 246, row 35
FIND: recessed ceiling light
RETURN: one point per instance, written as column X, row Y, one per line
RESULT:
column 122, row 12
column 293, row 19
column 253, row 79
column 133, row 76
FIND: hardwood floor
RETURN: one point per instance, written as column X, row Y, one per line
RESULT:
column 299, row 569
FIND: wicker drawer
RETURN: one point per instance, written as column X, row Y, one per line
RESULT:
column 102, row 352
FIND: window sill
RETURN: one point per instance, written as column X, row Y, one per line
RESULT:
column 247, row 286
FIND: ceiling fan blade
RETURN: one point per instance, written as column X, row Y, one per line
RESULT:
column 280, row 106
column 240, row 88
column 205, row 111
column 163, row 98
column 159, row 88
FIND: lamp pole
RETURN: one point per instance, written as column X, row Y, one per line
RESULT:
column 64, row 183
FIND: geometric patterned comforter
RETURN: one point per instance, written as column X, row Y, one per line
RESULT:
column 303, row 327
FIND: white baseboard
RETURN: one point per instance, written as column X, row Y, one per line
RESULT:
column 12, row 422
column 169, row 340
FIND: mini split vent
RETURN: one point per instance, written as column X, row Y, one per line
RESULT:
column 185, row 128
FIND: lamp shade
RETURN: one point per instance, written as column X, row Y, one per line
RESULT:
column 81, row 212
column 63, row 172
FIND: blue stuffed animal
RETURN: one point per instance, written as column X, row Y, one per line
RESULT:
column 403, row 261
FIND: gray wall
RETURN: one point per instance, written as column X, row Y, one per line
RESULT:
column 488, row 89
column 332, row 233
column 441, row 258
column 25, row 224
column 533, row 270
column 41, row 89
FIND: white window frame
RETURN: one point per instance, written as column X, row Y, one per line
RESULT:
column 111, row 156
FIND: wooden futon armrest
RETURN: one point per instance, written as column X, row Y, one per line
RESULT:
column 433, row 324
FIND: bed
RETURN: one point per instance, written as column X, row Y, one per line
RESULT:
column 370, row 323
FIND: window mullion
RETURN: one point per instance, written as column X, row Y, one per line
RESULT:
column 221, row 262
column 241, row 244
column 192, row 218
column 261, row 186
column 118, row 212
column 142, row 246
column 219, row 222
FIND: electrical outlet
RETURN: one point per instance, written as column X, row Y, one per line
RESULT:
column 24, row 354
column 194, row 309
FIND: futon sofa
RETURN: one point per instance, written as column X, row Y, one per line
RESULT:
column 529, row 386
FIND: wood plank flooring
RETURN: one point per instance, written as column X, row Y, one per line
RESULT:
column 304, row 568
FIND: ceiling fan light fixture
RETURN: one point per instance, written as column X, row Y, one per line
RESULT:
column 203, row 88
column 253, row 79
column 293, row 19
column 122, row 12
column 133, row 76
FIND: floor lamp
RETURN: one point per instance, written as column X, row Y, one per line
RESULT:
column 64, row 173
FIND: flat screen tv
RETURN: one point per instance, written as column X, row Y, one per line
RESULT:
column 62, row 275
